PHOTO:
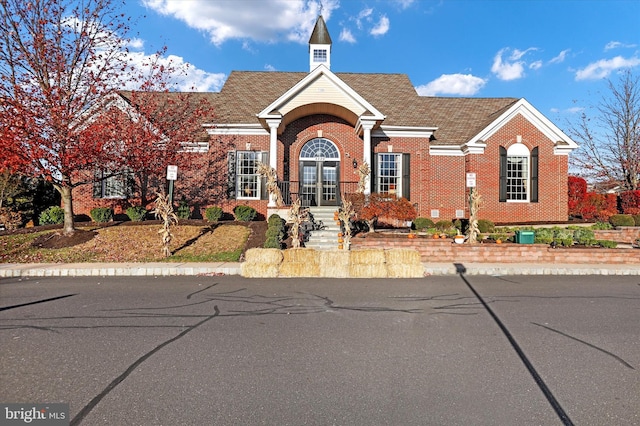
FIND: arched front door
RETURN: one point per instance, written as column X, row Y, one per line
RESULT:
column 319, row 173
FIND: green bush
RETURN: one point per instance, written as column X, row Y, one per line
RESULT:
column 421, row 223
column 486, row 226
column 601, row 226
column 584, row 236
column 443, row 225
column 101, row 214
column 213, row 214
column 563, row 237
column 183, row 211
column 622, row 220
column 245, row 213
column 275, row 232
column 607, row 244
column 636, row 219
column 136, row 213
column 52, row 215
column 544, row 235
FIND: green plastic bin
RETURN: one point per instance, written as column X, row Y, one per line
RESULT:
column 525, row 237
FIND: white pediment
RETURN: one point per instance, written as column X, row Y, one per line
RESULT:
column 321, row 86
column 563, row 144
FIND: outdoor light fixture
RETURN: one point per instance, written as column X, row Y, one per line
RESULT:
column 355, row 163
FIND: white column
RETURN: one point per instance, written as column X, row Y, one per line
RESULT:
column 273, row 151
column 366, row 149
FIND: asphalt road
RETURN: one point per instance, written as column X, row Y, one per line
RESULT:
column 224, row 350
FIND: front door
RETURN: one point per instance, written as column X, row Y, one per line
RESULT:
column 319, row 183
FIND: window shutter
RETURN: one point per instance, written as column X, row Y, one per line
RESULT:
column 374, row 173
column 503, row 174
column 231, row 178
column 129, row 184
column 534, row 175
column 405, row 176
column 264, row 194
column 97, row 184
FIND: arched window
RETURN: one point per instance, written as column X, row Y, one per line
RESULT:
column 319, row 149
column 518, row 173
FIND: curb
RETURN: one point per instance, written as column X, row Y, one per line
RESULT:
column 233, row 268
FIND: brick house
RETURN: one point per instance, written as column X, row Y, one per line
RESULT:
column 315, row 128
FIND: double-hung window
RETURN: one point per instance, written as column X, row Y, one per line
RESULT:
column 518, row 174
column 244, row 181
column 392, row 174
column 108, row 184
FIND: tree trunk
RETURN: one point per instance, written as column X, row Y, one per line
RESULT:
column 67, row 203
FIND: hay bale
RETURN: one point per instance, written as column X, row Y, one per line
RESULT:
column 405, row 270
column 266, row 256
column 299, row 269
column 358, row 270
column 259, row 270
column 302, row 255
column 367, row 257
column 398, row 256
column 334, row 264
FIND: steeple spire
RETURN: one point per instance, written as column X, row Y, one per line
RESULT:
column 319, row 45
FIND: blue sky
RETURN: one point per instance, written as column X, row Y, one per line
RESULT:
column 556, row 54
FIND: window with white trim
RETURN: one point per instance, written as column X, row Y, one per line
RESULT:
column 320, row 55
column 389, row 174
column 109, row 185
column 517, row 173
column 247, row 178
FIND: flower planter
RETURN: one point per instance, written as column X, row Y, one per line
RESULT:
column 459, row 239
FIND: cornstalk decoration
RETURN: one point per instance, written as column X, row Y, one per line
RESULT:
column 164, row 211
column 474, row 206
column 272, row 182
column 297, row 216
column 345, row 214
column 363, row 172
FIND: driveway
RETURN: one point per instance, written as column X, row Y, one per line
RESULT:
column 226, row 350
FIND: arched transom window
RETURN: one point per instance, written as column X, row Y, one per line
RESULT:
column 319, row 149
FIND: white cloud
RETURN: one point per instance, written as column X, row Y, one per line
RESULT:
column 452, row 84
column 560, row 58
column 381, row 28
column 507, row 70
column 617, row 45
column 346, row 35
column 263, row 21
column 269, row 67
column 404, row 3
column 184, row 77
column 604, row 67
column 535, row 65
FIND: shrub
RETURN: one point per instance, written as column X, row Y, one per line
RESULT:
column 622, row 220
column 607, row 244
column 101, row 214
column 630, row 202
column 183, row 211
column 52, row 215
column 486, row 226
column 402, row 210
column 577, row 191
column 11, row 219
column 601, row 226
column 443, row 225
column 421, row 223
column 584, row 236
column 213, row 214
column 136, row 213
column 245, row 213
column 563, row 237
column 275, row 232
column 544, row 235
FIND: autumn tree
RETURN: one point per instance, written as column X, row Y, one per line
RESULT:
column 57, row 59
column 609, row 138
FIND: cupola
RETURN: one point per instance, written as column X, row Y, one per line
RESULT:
column 319, row 46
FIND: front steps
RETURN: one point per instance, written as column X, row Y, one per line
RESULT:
column 326, row 238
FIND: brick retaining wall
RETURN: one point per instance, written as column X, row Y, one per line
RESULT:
column 439, row 251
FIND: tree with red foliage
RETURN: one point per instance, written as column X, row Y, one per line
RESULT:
column 57, row 59
column 577, row 192
column 630, row 202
